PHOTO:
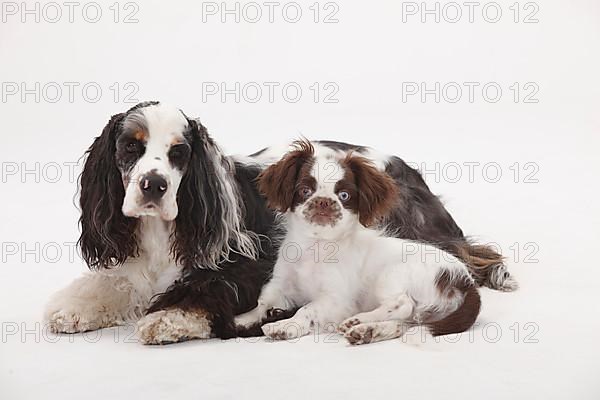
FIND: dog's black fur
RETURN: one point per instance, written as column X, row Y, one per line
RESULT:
column 108, row 238
column 234, row 289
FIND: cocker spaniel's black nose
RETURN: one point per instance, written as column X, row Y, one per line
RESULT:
column 153, row 187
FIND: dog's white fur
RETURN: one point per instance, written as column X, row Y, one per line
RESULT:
column 165, row 126
column 116, row 296
column 169, row 326
column 120, row 295
column 347, row 276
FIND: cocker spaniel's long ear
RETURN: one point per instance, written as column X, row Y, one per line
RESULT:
column 210, row 221
column 278, row 182
column 377, row 191
column 107, row 236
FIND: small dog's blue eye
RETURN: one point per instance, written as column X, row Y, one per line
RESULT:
column 344, row 196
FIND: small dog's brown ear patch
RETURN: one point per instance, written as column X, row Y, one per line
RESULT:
column 278, row 182
column 377, row 191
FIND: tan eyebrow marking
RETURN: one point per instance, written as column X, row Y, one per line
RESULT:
column 140, row 135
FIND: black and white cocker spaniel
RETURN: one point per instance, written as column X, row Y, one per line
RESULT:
column 179, row 239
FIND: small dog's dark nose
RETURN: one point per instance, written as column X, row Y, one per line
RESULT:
column 324, row 203
column 153, row 187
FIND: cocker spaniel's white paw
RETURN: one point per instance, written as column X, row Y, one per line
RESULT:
column 174, row 325
column 74, row 319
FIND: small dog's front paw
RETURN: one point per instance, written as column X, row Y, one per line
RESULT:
column 347, row 324
column 284, row 330
column 359, row 334
column 172, row 326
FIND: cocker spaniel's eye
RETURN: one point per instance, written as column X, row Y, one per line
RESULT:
column 179, row 151
column 132, row 147
column 179, row 155
column 176, row 152
column 344, row 196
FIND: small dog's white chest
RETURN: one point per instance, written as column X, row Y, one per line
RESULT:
column 317, row 268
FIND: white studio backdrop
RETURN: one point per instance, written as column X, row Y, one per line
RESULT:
column 495, row 102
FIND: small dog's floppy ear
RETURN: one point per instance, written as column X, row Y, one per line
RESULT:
column 377, row 191
column 278, row 182
column 107, row 236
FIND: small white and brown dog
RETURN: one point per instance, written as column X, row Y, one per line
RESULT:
column 343, row 274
